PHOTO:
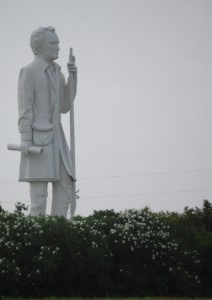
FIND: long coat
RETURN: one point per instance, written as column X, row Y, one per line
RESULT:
column 42, row 97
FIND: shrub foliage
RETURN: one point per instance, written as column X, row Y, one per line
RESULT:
column 130, row 253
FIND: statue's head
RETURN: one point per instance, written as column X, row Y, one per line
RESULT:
column 44, row 42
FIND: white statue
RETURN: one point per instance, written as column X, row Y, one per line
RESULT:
column 42, row 96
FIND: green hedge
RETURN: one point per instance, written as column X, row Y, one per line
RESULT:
column 130, row 253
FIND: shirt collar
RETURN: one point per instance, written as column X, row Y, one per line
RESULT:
column 43, row 65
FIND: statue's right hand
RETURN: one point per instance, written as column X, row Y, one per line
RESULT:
column 25, row 147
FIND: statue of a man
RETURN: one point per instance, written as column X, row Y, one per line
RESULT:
column 43, row 95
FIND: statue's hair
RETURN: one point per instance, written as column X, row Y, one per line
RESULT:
column 36, row 37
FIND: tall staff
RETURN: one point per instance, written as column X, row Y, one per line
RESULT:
column 72, row 142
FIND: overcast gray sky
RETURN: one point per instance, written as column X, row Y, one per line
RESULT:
column 143, row 108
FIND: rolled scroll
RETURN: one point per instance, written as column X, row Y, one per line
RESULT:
column 35, row 150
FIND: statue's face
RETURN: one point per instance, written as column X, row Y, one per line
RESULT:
column 49, row 46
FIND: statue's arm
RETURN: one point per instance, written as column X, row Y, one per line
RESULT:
column 72, row 85
column 70, row 90
column 25, row 102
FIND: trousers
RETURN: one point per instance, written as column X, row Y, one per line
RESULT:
column 63, row 195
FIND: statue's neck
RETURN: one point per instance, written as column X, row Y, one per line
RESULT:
column 48, row 61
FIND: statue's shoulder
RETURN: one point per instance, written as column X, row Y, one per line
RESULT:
column 28, row 68
column 32, row 70
column 30, row 65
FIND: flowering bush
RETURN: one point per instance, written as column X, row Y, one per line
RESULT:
column 130, row 253
column 25, row 253
column 147, row 260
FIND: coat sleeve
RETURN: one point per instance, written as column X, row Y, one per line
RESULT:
column 25, row 103
column 69, row 92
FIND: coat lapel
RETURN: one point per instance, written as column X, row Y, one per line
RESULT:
column 55, row 84
column 44, row 66
column 51, row 80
